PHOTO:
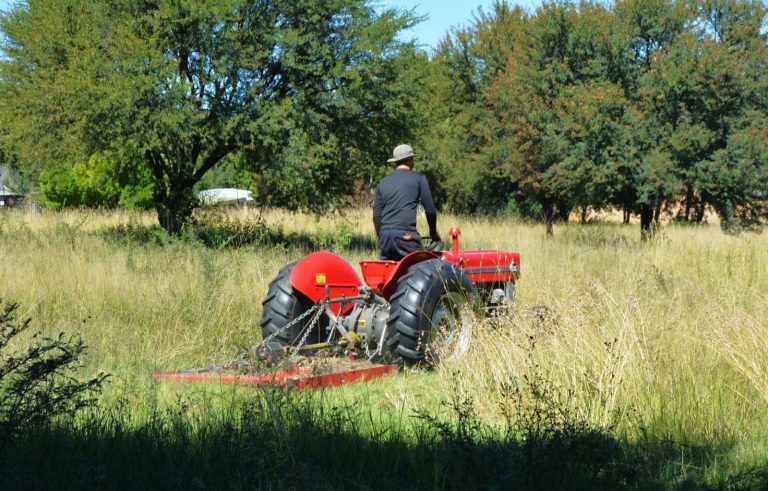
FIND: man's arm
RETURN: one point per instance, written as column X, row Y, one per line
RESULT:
column 377, row 210
column 432, row 222
column 429, row 208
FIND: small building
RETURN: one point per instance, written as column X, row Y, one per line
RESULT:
column 225, row 196
column 9, row 198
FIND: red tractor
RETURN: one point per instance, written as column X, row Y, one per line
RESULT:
column 414, row 310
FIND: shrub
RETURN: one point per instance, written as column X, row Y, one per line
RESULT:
column 36, row 381
column 104, row 180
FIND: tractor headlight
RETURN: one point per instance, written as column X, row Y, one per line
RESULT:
column 515, row 269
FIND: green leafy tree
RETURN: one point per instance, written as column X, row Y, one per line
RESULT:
column 182, row 84
column 590, row 151
column 462, row 123
column 638, row 104
column 331, row 151
column 103, row 180
column 740, row 193
column 695, row 97
column 546, row 99
column 459, row 125
column 652, row 28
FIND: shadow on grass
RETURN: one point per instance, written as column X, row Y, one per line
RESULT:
column 232, row 235
column 280, row 440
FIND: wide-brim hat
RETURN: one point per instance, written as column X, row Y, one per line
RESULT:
column 401, row 152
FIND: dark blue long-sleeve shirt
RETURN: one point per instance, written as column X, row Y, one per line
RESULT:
column 396, row 200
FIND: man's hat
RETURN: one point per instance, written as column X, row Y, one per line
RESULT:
column 401, row 152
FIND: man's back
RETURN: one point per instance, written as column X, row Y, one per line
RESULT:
column 397, row 197
column 394, row 207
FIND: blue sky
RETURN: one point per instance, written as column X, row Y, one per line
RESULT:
column 441, row 15
column 444, row 14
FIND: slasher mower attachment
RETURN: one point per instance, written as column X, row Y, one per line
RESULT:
column 293, row 378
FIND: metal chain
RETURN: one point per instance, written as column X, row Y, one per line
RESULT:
column 263, row 342
column 290, row 324
column 368, row 354
column 309, row 328
column 380, row 342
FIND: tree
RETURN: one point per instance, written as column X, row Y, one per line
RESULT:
column 103, row 180
column 703, row 98
column 464, row 125
column 182, row 84
column 637, row 104
column 547, row 97
column 740, row 193
column 330, row 154
column 460, row 124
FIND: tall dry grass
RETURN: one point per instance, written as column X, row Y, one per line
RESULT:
column 663, row 341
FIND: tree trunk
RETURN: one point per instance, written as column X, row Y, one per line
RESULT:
column 584, row 214
column 646, row 222
column 173, row 197
column 701, row 208
column 688, row 202
column 174, row 208
column 627, row 215
column 174, row 180
column 549, row 216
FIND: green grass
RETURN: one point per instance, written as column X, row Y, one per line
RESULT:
column 651, row 370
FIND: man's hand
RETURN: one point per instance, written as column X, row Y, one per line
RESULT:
column 435, row 237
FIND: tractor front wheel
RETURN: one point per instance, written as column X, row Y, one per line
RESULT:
column 430, row 317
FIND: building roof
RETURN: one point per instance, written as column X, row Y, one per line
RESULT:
column 6, row 177
column 4, row 191
column 225, row 196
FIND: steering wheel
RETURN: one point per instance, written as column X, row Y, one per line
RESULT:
column 429, row 244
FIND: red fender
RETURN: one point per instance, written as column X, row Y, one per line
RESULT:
column 324, row 269
column 402, row 267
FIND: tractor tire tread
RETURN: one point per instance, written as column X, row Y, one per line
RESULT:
column 412, row 302
column 281, row 305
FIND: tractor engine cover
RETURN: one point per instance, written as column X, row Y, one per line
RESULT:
column 322, row 273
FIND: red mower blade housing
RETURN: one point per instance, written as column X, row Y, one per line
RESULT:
column 292, row 378
column 322, row 274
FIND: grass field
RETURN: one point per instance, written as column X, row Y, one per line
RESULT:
column 650, row 370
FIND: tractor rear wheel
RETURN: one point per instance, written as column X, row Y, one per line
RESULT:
column 430, row 317
column 281, row 306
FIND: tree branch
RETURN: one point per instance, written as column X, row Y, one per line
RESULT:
column 210, row 160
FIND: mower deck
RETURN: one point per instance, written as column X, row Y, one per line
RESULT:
column 297, row 378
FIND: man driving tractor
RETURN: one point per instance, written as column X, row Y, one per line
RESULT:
column 394, row 207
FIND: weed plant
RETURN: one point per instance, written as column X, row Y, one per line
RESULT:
column 648, row 368
column 36, row 382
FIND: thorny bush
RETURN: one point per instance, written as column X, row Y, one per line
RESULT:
column 37, row 381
